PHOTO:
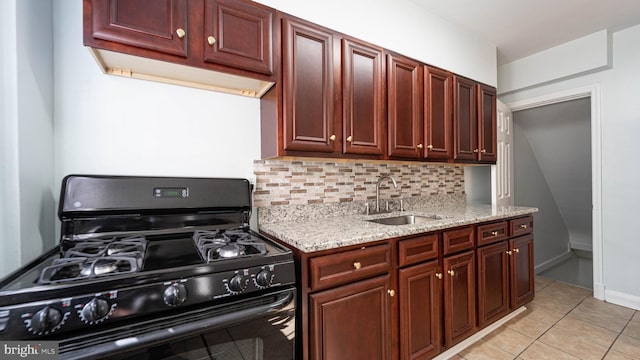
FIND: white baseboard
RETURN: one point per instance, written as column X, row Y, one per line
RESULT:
column 477, row 336
column 598, row 291
column 623, row 299
column 551, row 263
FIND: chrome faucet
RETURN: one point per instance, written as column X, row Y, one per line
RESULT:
column 395, row 185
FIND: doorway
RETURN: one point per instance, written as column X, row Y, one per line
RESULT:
column 593, row 93
column 552, row 171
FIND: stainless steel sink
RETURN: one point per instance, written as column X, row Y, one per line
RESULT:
column 405, row 219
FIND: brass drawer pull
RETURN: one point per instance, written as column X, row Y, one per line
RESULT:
column 523, row 226
column 451, row 272
column 517, row 251
column 439, row 276
column 494, row 233
column 508, row 252
column 181, row 33
column 391, row 293
column 357, row 265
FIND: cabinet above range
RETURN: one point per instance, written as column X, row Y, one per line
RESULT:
column 221, row 45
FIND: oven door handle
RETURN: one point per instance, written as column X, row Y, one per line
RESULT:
column 183, row 330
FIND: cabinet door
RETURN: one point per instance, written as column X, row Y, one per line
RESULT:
column 420, row 318
column 352, row 321
column 308, row 83
column 363, row 84
column 149, row 24
column 487, row 128
column 438, row 125
column 493, row 283
column 459, row 297
column 465, row 121
column 238, row 34
column 521, row 266
column 404, row 92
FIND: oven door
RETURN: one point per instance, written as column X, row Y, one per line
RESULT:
column 255, row 328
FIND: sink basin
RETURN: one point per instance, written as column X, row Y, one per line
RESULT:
column 405, row 220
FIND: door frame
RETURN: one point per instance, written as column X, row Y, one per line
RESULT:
column 592, row 92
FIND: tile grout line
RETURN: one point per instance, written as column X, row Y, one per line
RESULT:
column 618, row 336
column 551, row 327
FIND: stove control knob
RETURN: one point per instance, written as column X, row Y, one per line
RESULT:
column 175, row 294
column 95, row 310
column 263, row 279
column 46, row 319
column 236, row 284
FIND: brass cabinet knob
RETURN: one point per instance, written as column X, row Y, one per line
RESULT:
column 430, row 147
column 475, row 150
column 523, row 226
column 332, row 138
column 439, row 276
column 419, row 146
column 508, row 252
column 517, row 251
column 451, row 272
column 181, row 33
column 391, row 293
column 349, row 138
column 211, row 40
column 483, row 151
column 494, row 233
column 357, row 265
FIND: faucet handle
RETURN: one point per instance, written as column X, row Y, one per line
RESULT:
column 401, row 204
column 366, row 208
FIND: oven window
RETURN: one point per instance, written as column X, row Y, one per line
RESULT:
column 266, row 338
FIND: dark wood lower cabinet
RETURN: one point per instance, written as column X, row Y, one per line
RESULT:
column 352, row 321
column 459, row 297
column 522, row 274
column 411, row 298
column 493, row 283
column 420, row 318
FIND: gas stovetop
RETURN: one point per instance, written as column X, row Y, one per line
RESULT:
column 136, row 247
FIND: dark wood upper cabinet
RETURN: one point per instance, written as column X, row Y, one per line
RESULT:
column 404, row 102
column 487, row 125
column 238, row 34
column 465, row 123
column 308, row 87
column 438, row 125
column 148, row 24
column 363, row 109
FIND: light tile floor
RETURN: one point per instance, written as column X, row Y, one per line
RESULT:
column 563, row 322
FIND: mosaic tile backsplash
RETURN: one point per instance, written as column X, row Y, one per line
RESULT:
column 301, row 182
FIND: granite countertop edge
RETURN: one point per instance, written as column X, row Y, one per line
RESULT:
column 324, row 233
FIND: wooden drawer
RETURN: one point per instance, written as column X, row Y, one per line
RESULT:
column 349, row 266
column 520, row 226
column 418, row 249
column 490, row 233
column 457, row 240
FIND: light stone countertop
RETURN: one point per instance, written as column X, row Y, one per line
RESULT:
column 321, row 233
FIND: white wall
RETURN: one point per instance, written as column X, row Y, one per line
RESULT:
column 404, row 27
column 620, row 113
column 27, row 124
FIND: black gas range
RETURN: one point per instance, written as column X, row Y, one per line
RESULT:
column 146, row 260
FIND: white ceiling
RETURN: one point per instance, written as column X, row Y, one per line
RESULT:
column 523, row 27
